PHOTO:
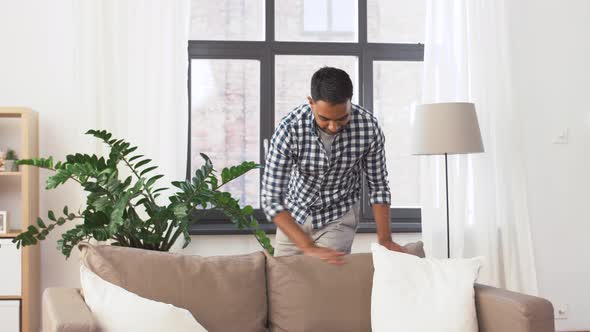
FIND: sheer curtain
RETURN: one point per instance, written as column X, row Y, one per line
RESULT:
column 132, row 73
column 467, row 59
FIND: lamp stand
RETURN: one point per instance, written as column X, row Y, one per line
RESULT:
column 447, row 195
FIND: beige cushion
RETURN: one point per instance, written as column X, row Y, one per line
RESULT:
column 307, row 294
column 225, row 293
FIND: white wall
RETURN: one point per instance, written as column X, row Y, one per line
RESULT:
column 36, row 57
column 37, row 61
column 551, row 66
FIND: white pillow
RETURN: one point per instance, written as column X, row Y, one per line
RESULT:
column 422, row 294
column 118, row 310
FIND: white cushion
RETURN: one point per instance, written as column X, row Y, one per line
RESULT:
column 422, row 294
column 118, row 310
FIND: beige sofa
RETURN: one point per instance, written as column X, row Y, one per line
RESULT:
column 256, row 292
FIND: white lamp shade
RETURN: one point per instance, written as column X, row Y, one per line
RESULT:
column 446, row 128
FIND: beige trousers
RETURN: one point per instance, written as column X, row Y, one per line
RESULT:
column 337, row 235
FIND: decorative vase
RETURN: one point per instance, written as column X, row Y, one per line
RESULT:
column 10, row 166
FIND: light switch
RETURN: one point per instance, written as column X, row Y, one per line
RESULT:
column 563, row 137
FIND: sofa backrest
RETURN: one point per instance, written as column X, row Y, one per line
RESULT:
column 225, row 293
column 247, row 293
column 307, row 294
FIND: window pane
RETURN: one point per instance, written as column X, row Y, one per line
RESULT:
column 293, row 78
column 227, row 20
column 397, row 88
column 316, row 20
column 396, row 21
column 225, row 120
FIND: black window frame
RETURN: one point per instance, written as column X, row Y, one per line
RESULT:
column 403, row 220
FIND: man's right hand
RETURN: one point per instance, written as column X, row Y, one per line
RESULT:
column 326, row 254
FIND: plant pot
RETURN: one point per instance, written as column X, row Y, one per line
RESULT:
column 10, row 166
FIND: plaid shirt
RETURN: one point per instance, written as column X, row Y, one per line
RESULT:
column 299, row 176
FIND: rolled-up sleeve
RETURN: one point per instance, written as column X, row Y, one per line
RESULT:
column 376, row 170
column 275, row 178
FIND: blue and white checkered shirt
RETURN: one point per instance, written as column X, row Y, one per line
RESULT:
column 301, row 178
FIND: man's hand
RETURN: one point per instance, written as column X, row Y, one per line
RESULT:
column 326, row 254
column 389, row 244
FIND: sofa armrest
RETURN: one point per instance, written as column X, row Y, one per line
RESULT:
column 499, row 310
column 64, row 310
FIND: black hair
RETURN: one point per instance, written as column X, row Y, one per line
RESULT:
column 331, row 85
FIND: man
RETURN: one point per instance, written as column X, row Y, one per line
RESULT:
column 311, row 185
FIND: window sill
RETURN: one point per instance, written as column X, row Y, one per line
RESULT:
column 269, row 228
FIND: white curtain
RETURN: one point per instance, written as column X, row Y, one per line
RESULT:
column 132, row 74
column 467, row 59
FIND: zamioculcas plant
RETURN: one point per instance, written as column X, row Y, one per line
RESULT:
column 125, row 212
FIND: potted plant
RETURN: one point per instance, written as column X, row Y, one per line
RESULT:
column 125, row 211
column 10, row 161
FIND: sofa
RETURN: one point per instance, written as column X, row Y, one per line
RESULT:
column 257, row 292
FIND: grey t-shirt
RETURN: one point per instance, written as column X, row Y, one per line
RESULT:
column 327, row 140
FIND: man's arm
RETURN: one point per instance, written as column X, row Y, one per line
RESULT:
column 285, row 221
column 382, row 219
column 275, row 181
column 277, row 170
column 379, row 194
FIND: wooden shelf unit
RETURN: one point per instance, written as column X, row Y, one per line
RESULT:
column 29, row 211
column 10, row 173
column 10, row 234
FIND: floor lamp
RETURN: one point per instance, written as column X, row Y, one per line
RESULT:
column 446, row 128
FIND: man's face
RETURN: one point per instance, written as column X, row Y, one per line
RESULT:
column 331, row 118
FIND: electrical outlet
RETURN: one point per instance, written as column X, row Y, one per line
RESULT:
column 562, row 137
column 561, row 311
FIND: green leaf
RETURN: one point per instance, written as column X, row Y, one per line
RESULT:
column 100, row 234
column 60, row 177
column 142, row 201
column 51, row 215
column 116, row 218
column 130, row 150
column 231, row 173
column 135, row 157
column 160, row 189
column 141, row 163
column 225, row 175
column 153, row 180
column 102, row 203
column 40, row 223
column 147, row 170
column 187, row 237
column 65, row 211
column 37, row 162
column 102, row 134
column 96, row 220
column 247, row 210
column 214, row 183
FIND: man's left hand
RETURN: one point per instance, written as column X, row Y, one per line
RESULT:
column 393, row 246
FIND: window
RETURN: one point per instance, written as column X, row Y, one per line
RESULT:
column 316, row 20
column 251, row 63
column 228, row 101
